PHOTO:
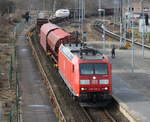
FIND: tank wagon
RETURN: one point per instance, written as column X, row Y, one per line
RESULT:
column 85, row 71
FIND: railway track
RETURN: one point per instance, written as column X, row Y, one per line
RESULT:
column 98, row 27
column 98, row 115
column 110, row 113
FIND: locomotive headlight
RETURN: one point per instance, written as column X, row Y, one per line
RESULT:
column 84, row 82
column 94, row 77
column 106, row 88
column 84, row 89
column 103, row 81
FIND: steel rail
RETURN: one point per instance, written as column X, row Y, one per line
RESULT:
column 87, row 114
column 109, row 116
column 101, row 113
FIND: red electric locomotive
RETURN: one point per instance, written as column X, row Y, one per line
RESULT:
column 85, row 71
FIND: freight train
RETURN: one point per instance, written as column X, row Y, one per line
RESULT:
column 86, row 71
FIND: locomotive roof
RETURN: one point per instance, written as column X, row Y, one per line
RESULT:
column 82, row 51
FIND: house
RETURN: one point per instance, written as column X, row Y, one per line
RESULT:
column 137, row 7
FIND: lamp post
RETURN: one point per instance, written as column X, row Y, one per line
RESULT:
column 102, row 10
column 121, row 23
column 99, row 8
column 128, row 15
column 120, row 33
column 54, row 5
column 81, row 4
column 82, row 18
column 44, row 4
column 103, row 27
column 103, row 36
column 30, row 3
column 75, row 8
column 121, row 3
column 115, row 14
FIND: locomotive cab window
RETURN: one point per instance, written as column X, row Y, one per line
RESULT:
column 94, row 69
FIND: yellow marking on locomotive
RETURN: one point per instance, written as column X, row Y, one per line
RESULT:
column 49, row 53
column 56, row 65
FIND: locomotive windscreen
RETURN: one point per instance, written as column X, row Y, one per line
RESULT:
column 94, row 69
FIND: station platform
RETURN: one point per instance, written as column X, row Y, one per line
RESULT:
column 131, row 85
column 34, row 103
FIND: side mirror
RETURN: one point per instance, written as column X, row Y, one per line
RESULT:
column 73, row 68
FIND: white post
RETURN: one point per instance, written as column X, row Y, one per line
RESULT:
column 143, row 30
column 74, row 10
column 82, row 17
column 114, row 19
column 132, row 45
column 54, row 6
column 79, row 4
column 121, row 23
column 99, row 9
column 125, row 29
column 103, row 36
column 103, row 26
column 128, row 15
column 120, row 33
column 84, row 9
column 104, row 31
column 143, row 40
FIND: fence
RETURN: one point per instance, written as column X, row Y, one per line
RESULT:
column 14, row 114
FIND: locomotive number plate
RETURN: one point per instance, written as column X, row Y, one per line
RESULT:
column 94, row 82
